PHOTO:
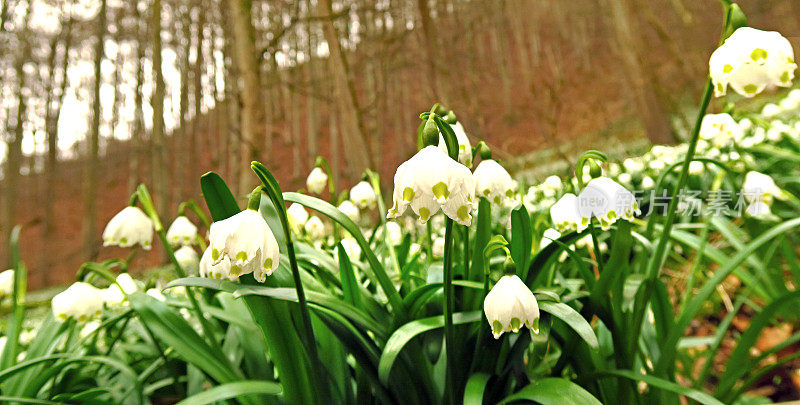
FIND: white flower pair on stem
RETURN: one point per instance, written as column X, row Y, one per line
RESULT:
column 602, row 198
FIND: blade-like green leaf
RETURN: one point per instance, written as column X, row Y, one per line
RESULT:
column 696, row 395
column 553, row 391
column 233, row 390
column 573, row 319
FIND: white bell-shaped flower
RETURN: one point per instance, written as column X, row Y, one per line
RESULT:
column 430, row 181
column 217, row 271
column 510, row 305
column 493, row 182
column 363, row 195
column 760, row 187
column 314, row 228
column 6, row 283
column 115, row 294
column 758, row 209
column 607, row 200
column 157, row 294
column 297, row 215
column 770, row 110
column 81, row 301
column 648, row 182
column 351, row 247
column 437, row 249
column 464, row 146
column 129, row 227
column 182, row 232
column 350, row 210
column 720, row 129
column 565, row 215
column 752, row 60
column 317, row 180
column 246, row 240
column 187, row 258
column 550, row 234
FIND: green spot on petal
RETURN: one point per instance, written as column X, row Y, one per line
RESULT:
column 785, row 77
column 424, row 213
column 515, row 324
column 408, row 194
column 462, row 213
column 497, row 200
column 757, row 54
column 236, row 270
column 497, row 327
column 727, row 69
column 750, row 88
column 486, row 192
column 123, row 240
column 268, row 263
column 214, row 254
column 241, row 256
column 510, row 193
column 440, row 190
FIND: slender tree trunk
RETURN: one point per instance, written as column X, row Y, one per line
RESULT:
column 93, row 159
column 359, row 157
column 311, row 102
column 184, row 156
column 137, row 135
column 157, row 138
column 232, row 129
column 431, row 46
column 197, row 126
column 244, row 44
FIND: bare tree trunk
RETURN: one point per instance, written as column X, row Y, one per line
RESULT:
column 232, row 129
column 137, row 135
column 93, row 159
column 183, row 155
column 311, row 102
column 14, row 160
column 431, row 45
column 197, row 126
column 498, row 36
column 53, row 113
column 244, row 44
column 157, row 138
column 652, row 114
column 357, row 141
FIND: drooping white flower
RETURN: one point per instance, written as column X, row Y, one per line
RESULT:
column 218, row 271
column 314, row 228
column 246, row 240
column 115, row 294
column 6, row 283
column 157, row 294
column 363, row 195
column 80, row 301
column 182, row 232
column 350, row 210
column 696, row 167
column 565, row 215
column 760, row 187
column 550, row 234
column 129, row 227
column 607, row 200
column 751, row 60
column 317, row 180
column 633, row 165
column 187, row 258
column 510, row 305
column 493, row 182
column 720, row 129
column 297, row 215
column 648, row 182
column 351, row 247
column 770, row 110
column 758, row 209
column 394, row 234
column 437, row 249
column 430, row 181
column 464, row 146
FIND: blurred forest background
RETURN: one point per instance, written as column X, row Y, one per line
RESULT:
column 100, row 95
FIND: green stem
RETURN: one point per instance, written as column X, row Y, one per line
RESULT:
column 658, row 254
column 449, row 332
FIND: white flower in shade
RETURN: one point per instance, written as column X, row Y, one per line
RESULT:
column 464, row 146
column 246, row 240
column 657, row 164
column 187, row 258
column 297, row 215
column 316, row 181
column 351, row 247
column 565, row 215
column 350, row 210
column 607, row 200
column 510, row 305
column 633, row 165
column 648, row 182
column 6, row 283
column 758, row 209
column 81, row 301
column 182, row 232
column 129, row 227
column 696, row 168
column 314, row 228
column 548, row 237
column 394, row 234
column 493, row 182
column 752, row 60
column 157, row 294
column 770, row 110
column 115, row 294
column 625, row 178
column 363, row 195
column 720, row 129
column 760, row 187
column 745, row 124
column 430, row 181
column 438, row 248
